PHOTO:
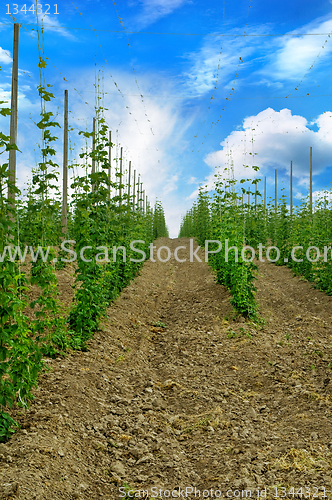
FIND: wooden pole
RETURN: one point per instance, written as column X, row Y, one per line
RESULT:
column 144, row 204
column 255, row 196
column 310, row 179
column 291, row 189
column 275, row 191
column 93, row 149
column 141, row 195
column 110, row 163
column 138, row 193
column 64, row 217
column 134, row 191
column 117, row 167
column 13, row 117
column 120, row 185
column 264, row 193
column 129, row 179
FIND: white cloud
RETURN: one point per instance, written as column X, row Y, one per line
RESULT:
column 275, row 59
column 271, row 139
column 171, row 184
column 52, row 24
column 150, row 153
column 220, row 58
column 319, row 195
column 193, row 195
column 5, row 57
column 153, row 10
column 322, row 195
column 291, row 58
column 215, row 63
column 5, row 93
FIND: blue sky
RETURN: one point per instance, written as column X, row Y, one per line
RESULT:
column 220, row 81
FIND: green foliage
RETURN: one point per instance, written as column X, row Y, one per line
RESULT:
column 101, row 218
column 20, row 356
column 159, row 324
column 219, row 218
column 128, row 491
column 159, row 223
column 7, row 426
column 104, row 223
column 305, row 229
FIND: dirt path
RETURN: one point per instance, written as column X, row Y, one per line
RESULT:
column 207, row 402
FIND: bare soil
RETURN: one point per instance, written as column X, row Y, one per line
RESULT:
column 176, row 392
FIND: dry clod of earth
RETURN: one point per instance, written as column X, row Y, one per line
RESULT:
column 175, row 392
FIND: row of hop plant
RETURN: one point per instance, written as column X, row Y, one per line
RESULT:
column 306, row 227
column 96, row 218
column 227, row 215
column 219, row 217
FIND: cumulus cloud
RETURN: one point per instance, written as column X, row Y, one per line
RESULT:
column 270, row 140
column 322, row 195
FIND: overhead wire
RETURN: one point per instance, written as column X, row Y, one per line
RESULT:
column 65, row 79
column 214, row 35
column 290, row 96
column 216, row 80
column 306, row 96
column 296, row 88
column 313, row 64
column 129, row 49
column 61, row 102
column 178, row 34
column 115, row 83
column 94, row 92
column 233, row 82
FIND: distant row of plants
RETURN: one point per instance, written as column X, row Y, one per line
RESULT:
column 300, row 237
column 218, row 217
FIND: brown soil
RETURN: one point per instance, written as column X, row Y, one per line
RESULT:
column 208, row 402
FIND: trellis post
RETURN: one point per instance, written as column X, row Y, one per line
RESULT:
column 13, row 118
column 64, row 215
column 291, row 189
column 264, row 193
column 138, row 192
column 134, row 191
column 110, row 164
column 120, row 178
column 93, row 164
column 129, row 179
column 310, row 202
column 275, row 191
